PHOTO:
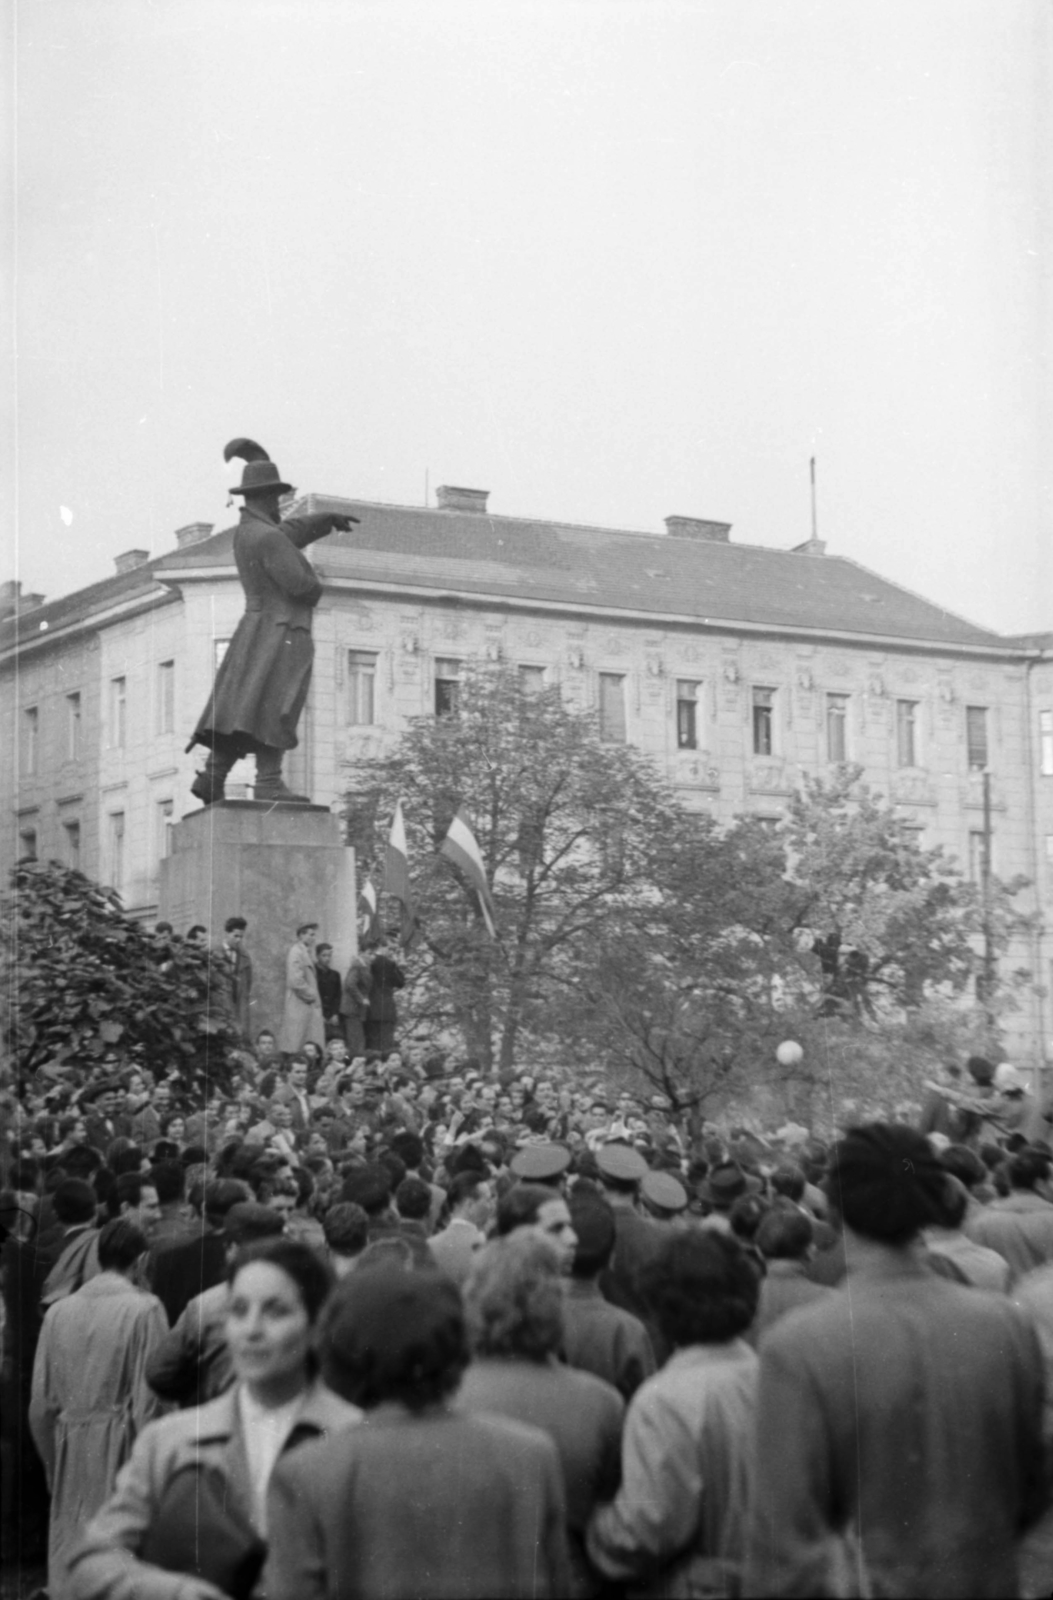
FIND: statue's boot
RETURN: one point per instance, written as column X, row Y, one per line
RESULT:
column 209, row 783
column 269, row 783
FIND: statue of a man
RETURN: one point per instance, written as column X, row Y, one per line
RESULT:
column 262, row 681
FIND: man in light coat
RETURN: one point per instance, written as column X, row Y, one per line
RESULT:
column 302, row 1020
column 90, row 1397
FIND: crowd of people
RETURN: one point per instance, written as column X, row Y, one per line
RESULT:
column 365, row 1326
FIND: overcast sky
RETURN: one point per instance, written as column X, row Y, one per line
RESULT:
column 608, row 260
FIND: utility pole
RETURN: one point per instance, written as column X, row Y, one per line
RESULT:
column 985, row 885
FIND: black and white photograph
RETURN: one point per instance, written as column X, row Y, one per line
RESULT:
column 526, row 838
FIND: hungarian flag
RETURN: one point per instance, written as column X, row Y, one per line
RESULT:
column 370, row 931
column 460, row 847
column 396, row 875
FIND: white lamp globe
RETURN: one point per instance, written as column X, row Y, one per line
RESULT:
column 789, row 1053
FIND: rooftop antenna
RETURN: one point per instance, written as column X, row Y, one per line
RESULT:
column 815, row 516
column 425, row 488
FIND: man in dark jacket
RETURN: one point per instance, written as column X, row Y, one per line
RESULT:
column 386, row 976
column 185, row 1268
column 899, row 1421
column 330, row 987
column 262, row 681
column 599, row 1337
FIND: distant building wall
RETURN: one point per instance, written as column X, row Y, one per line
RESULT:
column 733, row 719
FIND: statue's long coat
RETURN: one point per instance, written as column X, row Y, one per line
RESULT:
column 262, row 681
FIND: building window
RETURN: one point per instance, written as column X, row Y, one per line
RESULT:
column 115, row 843
column 165, row 824
column 1045, row 743
column 361, row 686
column 836, row 727
column 612, row 707
column 30, row 741
column 73, row 723
column 72, row 832
column 531, row 679
column 976, row 737
column 27, row 844
column 906, row 733
column 687, row 714
column 447, row 687
column 166, row 697
column 763, row 721
column 118, row 713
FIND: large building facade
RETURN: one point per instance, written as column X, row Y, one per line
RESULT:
column 737, row 669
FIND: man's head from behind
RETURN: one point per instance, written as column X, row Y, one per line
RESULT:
column 593, row 1222
column 1028, row 1167
column 346, row 1229
column 370, row 1188
column 75, row 1202
column 886, row 1183
column 784, row 1234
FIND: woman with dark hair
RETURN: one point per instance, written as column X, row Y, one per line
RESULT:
column 899, row 1445
column 514, row 1307
column 677, row 1524
column 421, row 1499
column 189, row 1515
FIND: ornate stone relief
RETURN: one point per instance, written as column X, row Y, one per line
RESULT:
column 913, row 789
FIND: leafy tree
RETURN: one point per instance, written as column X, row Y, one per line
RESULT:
column 835, row 929
column 890, row 922
column 80, row 978
column 646, row 939
column 684, row 995
column 569, row 828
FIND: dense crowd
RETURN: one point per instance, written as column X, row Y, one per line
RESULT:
column 366, row 1326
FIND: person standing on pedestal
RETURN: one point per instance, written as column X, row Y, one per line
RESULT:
column 354, row 1005
column 386, row 976
column 329, row 987
column 262, row 681
column 231, row 974
column 302, row 1017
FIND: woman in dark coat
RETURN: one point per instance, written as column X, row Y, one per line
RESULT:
column 421, row 1498
column 262, row 681
column 385, row 977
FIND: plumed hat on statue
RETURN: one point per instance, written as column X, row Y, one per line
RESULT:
column 259, row 474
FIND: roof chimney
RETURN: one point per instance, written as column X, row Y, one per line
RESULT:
column 13, row 602
column 698, row 528
column 451, row 499
column 193, row 533
column 130, row 560
column 810, row 547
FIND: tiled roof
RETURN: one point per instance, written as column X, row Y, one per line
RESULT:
column 517, row 558
column 521, row 559
column 25, row 626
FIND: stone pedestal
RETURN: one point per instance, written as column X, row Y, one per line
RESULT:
column 276, row 866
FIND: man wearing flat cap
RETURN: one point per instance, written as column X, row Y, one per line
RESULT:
column 262, row 681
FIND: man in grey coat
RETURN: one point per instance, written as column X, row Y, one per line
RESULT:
column 899, row 1421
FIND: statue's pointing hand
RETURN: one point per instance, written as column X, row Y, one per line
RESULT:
column 342, row 524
